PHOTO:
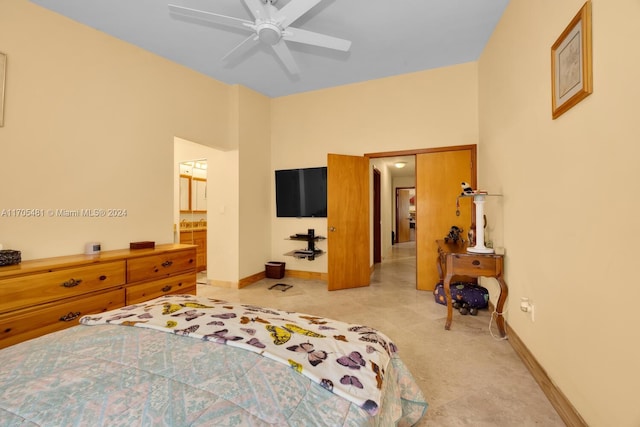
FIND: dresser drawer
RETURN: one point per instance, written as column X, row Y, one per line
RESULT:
column 32, row 289
column 160, row 266
column 181, row 284
column 29, row 323
column 474, row 265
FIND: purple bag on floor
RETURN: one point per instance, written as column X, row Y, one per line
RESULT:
column 474, row 295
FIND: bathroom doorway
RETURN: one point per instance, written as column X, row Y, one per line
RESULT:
column 192, row 226
column 191, row 212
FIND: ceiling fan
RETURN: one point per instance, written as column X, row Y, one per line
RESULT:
column 271, row 26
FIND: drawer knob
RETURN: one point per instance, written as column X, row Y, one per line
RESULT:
column 166, row 288
column 475, row 262
column 71, row 316
column 103, row 277
column 71, row 283
column 167, row 264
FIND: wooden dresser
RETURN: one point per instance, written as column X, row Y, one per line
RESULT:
column 45, row 295
column 197, row 237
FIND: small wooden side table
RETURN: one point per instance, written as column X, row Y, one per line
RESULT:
column 454, row 260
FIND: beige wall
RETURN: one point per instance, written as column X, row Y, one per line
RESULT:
column 254, row 140
column 569, row 203
column 89, row 123
column 420, row 110
column 238, row 232
column 223, row 225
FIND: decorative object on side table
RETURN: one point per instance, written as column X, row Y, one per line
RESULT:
column 466, row 188
column 10, row 257
column 479, row 246
column 454, row 235
column 478, row 199
column 471, row 234
column 571, row 62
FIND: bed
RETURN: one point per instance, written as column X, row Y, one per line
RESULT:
column 184, row 360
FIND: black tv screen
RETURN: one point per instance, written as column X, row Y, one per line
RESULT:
column 301, row 193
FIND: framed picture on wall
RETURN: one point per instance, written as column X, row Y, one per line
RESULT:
column 571, row 74
column 3, row 70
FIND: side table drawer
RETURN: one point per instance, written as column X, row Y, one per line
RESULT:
column 160, row 266
column 181, row 284
column 474, row 265
column 32, row 289
column 29, row 323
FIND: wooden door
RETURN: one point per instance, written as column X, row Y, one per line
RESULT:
column 347, row 221
column 438, row 178
column 403, row 226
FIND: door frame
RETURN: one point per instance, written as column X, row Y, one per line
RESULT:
column 397, row 189
column 473, row 148
column 400, row 153
column 377, row 218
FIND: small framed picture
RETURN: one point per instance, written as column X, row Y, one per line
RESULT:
column 571, row 74
column 3, row 70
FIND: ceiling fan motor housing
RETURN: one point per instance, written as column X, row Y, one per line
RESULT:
column 269, row 32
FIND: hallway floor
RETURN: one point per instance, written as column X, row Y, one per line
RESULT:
column 469, row 376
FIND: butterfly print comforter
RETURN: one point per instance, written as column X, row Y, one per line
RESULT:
column 346, row 359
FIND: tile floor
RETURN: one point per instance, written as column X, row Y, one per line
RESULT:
column 468, row 375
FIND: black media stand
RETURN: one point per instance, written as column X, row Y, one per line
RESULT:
column 311, row 251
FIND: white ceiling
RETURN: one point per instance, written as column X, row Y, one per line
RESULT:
column 388, row 38
column 408, row 170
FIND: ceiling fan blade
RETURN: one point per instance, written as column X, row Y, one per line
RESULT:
column 210, row 17
column 282, row 50
column 258, row 9
column 316, row 39
column 240, row 49
column 294, row 10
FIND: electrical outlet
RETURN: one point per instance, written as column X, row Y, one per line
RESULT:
column 527, row 307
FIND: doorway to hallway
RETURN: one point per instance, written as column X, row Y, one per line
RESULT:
column 405, row 214
column 437, row 176
column 398, row 267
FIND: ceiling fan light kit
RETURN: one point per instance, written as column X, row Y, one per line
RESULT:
column 270, row 26
column 269, row 33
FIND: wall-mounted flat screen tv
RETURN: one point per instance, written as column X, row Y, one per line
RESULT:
column 301, row 193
